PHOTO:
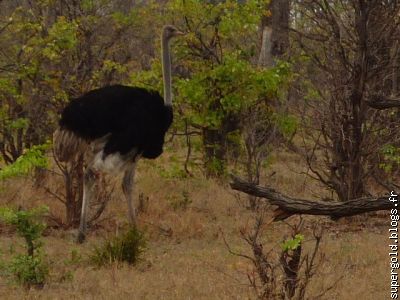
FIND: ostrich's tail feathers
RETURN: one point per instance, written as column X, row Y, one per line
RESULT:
column 67, row 145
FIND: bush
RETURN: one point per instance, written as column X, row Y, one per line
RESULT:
column 28, row 269
column 127, row 247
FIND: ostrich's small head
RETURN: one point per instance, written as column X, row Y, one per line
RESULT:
column 170, row 31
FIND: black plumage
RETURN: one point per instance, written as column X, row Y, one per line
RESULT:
column 134, row 117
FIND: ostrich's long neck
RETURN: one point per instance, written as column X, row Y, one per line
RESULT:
column 166, row 68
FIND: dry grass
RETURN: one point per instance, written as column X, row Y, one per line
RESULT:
column 186, row 256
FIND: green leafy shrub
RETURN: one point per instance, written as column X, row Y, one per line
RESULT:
column 35, row 157
column 127, row 247
column 28, row 269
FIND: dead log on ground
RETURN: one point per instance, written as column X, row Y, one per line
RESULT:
column 383, row 102
column 288, row 206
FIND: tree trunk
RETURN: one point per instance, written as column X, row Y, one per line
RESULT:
column 216, row 144
column 275, row 34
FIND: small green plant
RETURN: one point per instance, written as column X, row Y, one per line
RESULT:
column 127, row 247
column 292, row 244
column 74, row 259
column 27, row 269
column 215, row 167
column 391, row 158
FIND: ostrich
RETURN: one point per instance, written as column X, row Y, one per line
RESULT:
column 113, row 127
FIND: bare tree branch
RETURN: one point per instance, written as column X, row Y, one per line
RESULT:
column 289, row 206
column 383, row 102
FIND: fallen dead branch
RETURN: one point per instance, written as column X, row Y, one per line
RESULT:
column 288, row 206
column 383, row 102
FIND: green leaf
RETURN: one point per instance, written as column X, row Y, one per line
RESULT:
column 292, row 244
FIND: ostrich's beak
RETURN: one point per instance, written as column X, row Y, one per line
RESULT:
column 179, row 33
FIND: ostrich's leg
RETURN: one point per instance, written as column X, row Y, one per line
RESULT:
column 88, row 183
column 128, row 184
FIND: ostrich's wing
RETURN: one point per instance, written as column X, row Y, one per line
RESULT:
column 145, row 131
column 111, row 109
